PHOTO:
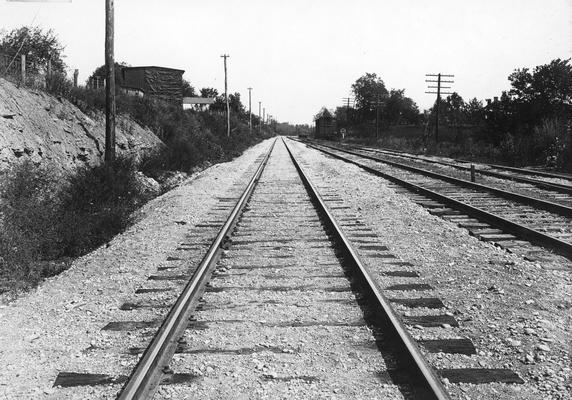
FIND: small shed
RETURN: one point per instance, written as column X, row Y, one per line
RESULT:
column 198, row 102
column 161, row 82
column 326, row 126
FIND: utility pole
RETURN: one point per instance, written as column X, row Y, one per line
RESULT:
column 259, row 117
column 377, row 119
column 225, row 56
column 438, row 93
column 264, row 115
column 347, row 100
column 378, row 103
column 110, row 86
column 249, row 110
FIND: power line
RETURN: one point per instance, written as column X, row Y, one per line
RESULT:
column 249, row 111
column 225, row 56
column 110, row 107
column 439, row 81
column 378, row 102
column 348, row 101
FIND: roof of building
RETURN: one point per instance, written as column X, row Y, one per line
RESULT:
column 198, row 100
column 155, row 67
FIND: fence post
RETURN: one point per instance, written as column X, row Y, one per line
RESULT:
column 75, row 75
column 23, row 68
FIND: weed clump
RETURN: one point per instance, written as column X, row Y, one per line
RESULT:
column 48, row 219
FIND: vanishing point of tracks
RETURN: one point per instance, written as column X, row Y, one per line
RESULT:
column 283, row 305
column 281, row 281
column 533, row 213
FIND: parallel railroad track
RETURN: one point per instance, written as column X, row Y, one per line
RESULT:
column 489, row 213
column 558, row 187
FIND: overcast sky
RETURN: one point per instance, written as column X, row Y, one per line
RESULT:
column 300, row 55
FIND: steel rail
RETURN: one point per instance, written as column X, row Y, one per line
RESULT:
column 523, row 171
column 526, row 171
column 433, row 387
column 533, row 235
column 148, row 372
column 542, row 204
column 557, row 187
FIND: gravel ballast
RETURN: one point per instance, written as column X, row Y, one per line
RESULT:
column 516, row 312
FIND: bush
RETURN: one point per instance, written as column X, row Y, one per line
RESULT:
column 45, row 219
column 96, row 204
column 554, row 141
column 28, row 233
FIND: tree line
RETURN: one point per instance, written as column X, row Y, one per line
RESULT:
column 529, row 123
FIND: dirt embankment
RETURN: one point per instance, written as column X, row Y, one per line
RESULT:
column 42, row 128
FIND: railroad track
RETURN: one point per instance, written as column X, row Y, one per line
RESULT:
column 283, row 305
column 489, row 213
column 556, row 187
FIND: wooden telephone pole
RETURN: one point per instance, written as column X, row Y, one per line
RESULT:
column 225, row 56
column 259, row 117
column 350, row 101
column 250, row 110
column 378, row 102
column 110, row 85
column 438, row 93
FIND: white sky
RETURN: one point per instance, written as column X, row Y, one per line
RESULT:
column 300, row 55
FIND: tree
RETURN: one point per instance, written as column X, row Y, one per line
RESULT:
column 399, row 108
column 219, row 104
column 102, row 72
column 368, row 91
column 235, row 104
column 188, row 89
column 501, row 118
column 345, row 116
column 543, row 93
column 474, row 112
column 209, row 92
column 38, row 45
column 453, row 109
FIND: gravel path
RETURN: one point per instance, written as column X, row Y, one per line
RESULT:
column 57, row 327
column 516, row 312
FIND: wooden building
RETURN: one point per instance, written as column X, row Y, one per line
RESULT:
column 326, row 127
column 160, row 82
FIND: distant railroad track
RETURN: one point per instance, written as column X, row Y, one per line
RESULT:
column 502, row 216
column 553, row 189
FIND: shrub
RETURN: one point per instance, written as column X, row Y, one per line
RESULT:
column 46, row 218
column 96, row 204
column 29, row 207
column 553, row 142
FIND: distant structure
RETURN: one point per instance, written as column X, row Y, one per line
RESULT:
column 198, row 102
column 160, row 82
column 326, row 125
